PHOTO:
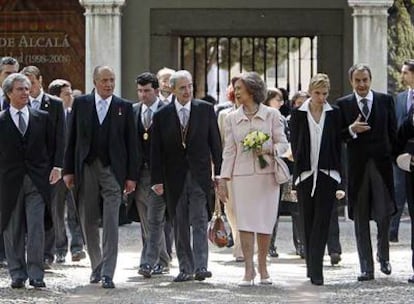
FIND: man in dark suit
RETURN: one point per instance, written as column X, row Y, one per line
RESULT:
column 62, row 198
column 39, row 100
column 369, row 128
column 405, row 161
column 402, row 107
column 151, row 207
column 185, row 140
column 101, row 162
column 8, row 65
column 25, row 174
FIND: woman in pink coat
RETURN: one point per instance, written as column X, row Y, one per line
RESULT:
column 255, row 191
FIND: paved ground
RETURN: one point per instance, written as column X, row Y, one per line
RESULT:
column 68, row 283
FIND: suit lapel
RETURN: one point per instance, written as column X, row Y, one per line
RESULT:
column 355, row 110
column 137, row 115
column 11, row 125
column 44, row 105
column 172, row 123
column 404, row 104
column 192, row 124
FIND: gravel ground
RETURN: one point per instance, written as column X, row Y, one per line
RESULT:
column 68, row 283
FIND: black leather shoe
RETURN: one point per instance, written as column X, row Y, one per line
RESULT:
column 159, row 269
column 273, row 253
column 335, row 258
column 94, row 278
column 366, row 276
column 145, row 270
column 183, row 277
column 202, row 273
column 385, row 267
column 60, row 258
column 107, row 282
column 411, row 279
column 39, row 283
column 393, row 239
column 18, row 283
column 315, row 281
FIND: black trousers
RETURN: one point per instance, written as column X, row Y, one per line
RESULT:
column 315, row 213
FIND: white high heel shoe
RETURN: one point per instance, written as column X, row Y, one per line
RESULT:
column 246, row 283
column 266, row 281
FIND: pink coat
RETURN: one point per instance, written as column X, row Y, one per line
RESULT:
column 237, row 162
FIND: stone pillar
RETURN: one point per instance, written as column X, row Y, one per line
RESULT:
column 103, row 38
column 370, row 38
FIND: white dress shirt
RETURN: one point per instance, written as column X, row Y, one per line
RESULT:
column 99, row 98
column 153, row 107
column 38, row 98
column 179, row 106
column 316, row 130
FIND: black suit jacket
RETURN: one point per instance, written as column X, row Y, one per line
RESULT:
column 330, row 150
column 20, row 155
column 122, row 138
column 378, row 144
column 54, row 107
column 170, row 162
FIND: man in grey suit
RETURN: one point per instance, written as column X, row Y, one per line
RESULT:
column 185, row 142
column 402, row 107
column 25, row 174
column 8, row 65
column 101, row 162
column 151, row 207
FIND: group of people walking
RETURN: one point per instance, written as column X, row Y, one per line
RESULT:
column 169, row 148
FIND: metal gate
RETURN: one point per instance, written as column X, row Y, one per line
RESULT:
column 283, row 62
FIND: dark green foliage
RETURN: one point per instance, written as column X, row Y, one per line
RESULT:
column 400, row 41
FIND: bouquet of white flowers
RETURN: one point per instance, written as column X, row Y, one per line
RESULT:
column 254, row 140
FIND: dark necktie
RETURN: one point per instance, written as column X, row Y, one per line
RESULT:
column 22, row 123
column 365, row 109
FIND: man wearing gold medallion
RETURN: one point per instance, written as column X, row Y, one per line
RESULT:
column 151, row 207
column 185, row 140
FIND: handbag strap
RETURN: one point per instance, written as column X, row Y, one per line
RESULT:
column 217, row 207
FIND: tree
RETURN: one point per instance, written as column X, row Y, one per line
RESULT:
column 400, row 41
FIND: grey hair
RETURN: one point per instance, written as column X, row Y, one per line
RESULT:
column 99, row 68
column 179, row 75
column 8, row 83
column 359, row 67
column 255, row 86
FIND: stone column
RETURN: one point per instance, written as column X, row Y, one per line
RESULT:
column 370, row 38
column 103, row 38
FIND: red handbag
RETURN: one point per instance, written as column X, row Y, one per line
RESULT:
column 217, row 232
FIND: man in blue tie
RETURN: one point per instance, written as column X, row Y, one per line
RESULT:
column 101, row 163
column 8, row 65
column 403, row 104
